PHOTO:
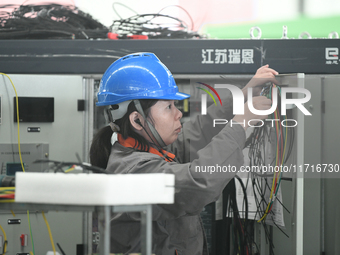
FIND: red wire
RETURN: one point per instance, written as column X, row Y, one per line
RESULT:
column 7, row 196
column 270, row 208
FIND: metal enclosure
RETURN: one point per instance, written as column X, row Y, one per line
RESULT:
column 59, row 140
column 330, row 188
column 72, row 130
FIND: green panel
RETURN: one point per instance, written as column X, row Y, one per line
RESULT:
column 316, row 27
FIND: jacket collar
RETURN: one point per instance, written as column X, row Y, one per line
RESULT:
column 131, row 143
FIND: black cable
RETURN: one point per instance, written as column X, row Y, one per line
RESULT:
column 283, row 205
column 146, row 24
column 268, row 237
column 242, row 229
column 248, row 234
column 4, row 247
column 280, row 229
column 52, row 21
column 245, row 198
column 61, row 250
column 178, row 6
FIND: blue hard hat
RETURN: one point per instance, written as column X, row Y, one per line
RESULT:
column 137, row 76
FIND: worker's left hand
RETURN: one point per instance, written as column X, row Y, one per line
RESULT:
column 263, row 75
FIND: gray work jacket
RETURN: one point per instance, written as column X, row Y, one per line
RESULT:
column 178, row 227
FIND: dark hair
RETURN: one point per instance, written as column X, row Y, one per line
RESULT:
column 101, row 144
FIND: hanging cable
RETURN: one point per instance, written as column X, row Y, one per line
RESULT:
column 17, row 115
column 30, row 229
column 5, row 241
column 49, row 232
column 277, row 141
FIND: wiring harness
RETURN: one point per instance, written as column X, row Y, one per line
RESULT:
column 284, row 139
column 51, row 21
column 153, row 25
column 265, row 186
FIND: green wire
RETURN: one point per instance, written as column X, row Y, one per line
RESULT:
column 29, row 224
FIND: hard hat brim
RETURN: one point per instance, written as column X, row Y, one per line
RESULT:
column 173, row 96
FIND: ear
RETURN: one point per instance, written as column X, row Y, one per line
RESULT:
column 134, row 118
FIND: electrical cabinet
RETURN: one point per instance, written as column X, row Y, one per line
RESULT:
column 71, row 76
column 58, row 139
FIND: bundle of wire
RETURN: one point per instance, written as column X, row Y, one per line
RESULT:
column 51, row 21
column 242, row 237
column 260, row 138
column 7, row 194
column 153, row 25
column 282, row 153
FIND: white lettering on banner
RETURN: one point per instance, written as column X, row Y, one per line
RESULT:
column 234, row 56
column 227, row 56
column 221, row 56
column 247, row 56
column 206, row 55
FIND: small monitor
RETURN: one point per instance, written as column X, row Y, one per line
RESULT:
column 12, row 168
column 34, row 109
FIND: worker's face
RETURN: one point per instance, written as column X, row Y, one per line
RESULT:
column 166, row 119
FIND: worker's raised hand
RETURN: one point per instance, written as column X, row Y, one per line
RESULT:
column 263, row 75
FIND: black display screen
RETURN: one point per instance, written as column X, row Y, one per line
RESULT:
column 34, row 109
column 12, row 168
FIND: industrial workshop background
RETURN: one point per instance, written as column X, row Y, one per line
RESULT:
column 55, row 53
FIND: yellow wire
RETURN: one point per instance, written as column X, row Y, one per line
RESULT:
column 30, row 229
column 17, row 103
column 21, row 161
column 271, row 192
column 49, row 232
column 273, row 183
column 7, row 201
column 69, row 170
column 268, row 205
column 8, row 192
column 7, row 188
column 5, row 236
column 277, row 154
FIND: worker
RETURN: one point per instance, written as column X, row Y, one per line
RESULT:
column 139, row 94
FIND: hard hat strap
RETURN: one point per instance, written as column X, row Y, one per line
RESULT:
column 151, row 127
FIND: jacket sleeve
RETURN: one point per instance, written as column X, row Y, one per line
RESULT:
column 202, row 181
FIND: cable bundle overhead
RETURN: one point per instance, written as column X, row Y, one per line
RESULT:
column 51, row 21
column 153, row 25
